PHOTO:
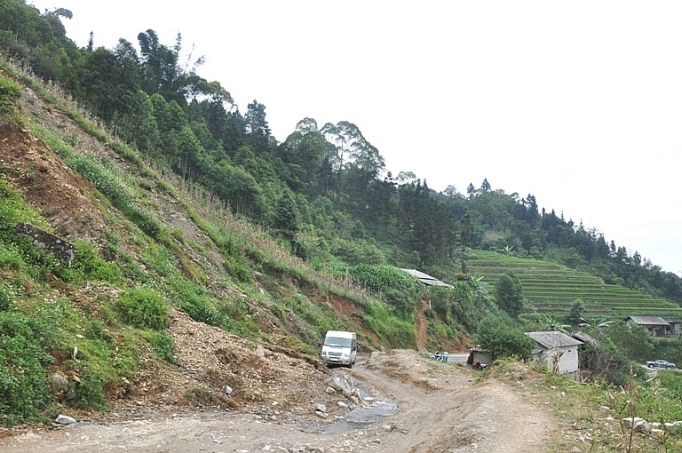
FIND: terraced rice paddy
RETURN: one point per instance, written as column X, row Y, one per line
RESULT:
column 551, row 288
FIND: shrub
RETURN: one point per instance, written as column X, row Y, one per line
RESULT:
column 102, row 178
column 201, row 396
column 164, row 345
column 144, row 308
column 238, row 268
column 87, row 264
column 96, row 331
column 379, row 278
column 89, row 392
column 399, row 288
column 200, row 309
column 633, row 341
column 359, row 251
column 503, row 339
column 6, row 298
column 144, row 219
column 9, row 91
column 10, row 258
column 23, row 384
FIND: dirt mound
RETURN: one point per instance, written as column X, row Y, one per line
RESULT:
column 218, row 369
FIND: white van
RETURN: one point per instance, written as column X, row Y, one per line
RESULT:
column 339, row 348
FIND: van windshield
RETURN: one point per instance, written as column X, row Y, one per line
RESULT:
column 337, row 342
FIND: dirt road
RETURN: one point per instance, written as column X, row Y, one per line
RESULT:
column 409, row 404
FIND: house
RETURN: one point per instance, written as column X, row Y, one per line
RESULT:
column 479, row 356
column 585, row 338
column 556, row 350
column 657, row 327
column 426, row 279
column 675, row 328
column 587, row 358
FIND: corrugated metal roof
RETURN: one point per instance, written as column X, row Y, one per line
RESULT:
column 649, row 320
column 585, row 338
column 553, row 339
column 425, row 278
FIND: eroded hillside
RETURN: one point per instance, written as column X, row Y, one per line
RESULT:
column 141, row 233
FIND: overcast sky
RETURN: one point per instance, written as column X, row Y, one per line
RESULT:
column 578, row 103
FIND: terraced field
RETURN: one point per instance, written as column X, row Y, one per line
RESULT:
column 551, row 288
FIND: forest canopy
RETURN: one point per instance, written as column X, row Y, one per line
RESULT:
column 324, row 189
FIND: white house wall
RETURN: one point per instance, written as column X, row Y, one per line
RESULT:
column 567, row 363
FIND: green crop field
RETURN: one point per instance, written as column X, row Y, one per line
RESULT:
column 551, row 288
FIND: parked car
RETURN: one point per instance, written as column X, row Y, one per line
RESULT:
column 660, row 364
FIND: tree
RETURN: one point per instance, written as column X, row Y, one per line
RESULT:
column 163, row 73
column 303, row 152
column 575, row 314
column 549, row 323
column 503, row 339
column 509, row 294
column 349, row 146
column 471, row 190
column 603, row 358
column 285, row 217
column 633, row 340
column 257, row 128
column 485, row 185
column 107, row 81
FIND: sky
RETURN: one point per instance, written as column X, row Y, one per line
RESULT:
column 578, row 103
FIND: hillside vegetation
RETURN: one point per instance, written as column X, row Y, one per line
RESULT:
column 146, row 245
column 191, row 221
column 324, row 189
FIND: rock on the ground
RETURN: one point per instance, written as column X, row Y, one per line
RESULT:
column 64, row 420
column 60, row 385
column 341, row 382
column 639, row 424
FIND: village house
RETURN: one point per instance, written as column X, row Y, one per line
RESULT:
column 556, row 350
column 675, row 327
column 426, row 279
column 595, row 362
column 479, row 356
column 657, row 327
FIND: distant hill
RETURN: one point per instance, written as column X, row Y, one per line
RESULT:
column 551, row 288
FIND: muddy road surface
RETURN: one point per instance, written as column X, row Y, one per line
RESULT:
column 404, row 402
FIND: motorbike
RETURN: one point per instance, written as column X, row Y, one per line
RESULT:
column 440, row 356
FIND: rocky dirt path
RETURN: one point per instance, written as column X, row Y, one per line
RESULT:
column 410, row 404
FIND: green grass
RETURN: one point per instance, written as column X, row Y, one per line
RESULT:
column 9, row 92
column 576, row 405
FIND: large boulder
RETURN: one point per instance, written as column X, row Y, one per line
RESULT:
column 341, row 382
